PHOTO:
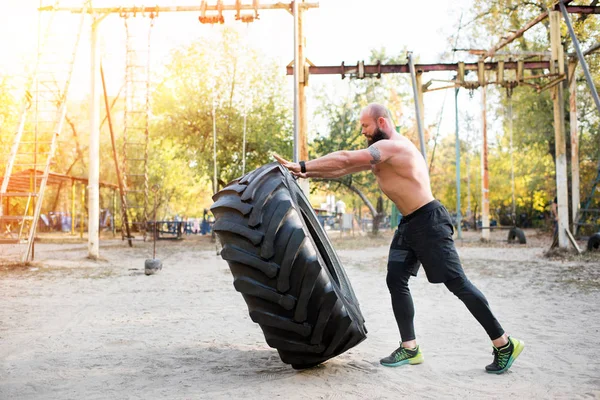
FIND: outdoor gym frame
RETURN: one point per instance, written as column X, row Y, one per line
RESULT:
column 296, row 8
column 301, row 71
column 557, row 74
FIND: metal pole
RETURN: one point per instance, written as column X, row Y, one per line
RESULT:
column 94, row 164
column 467, row 165
column 512, row 164
column 154, row 190
column 114, row 209
column 485, row 193
column 575, row 196
column 458, row 213
column 244, row 139
column 301, row 83
column 417, row 104
column 214, row 115
column 296, row 155
column 82, row 205
column 72, row 207
column 582, row 61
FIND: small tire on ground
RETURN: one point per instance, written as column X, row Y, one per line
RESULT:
column 516, row 234
column 282, row 262
column 594, row 242
column 152, row 266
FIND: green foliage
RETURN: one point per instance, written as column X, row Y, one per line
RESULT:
column 227, row 74
column 532, row 120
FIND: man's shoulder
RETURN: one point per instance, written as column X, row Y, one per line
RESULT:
column 394, row 145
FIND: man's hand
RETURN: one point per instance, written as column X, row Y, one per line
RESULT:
column 294, row 168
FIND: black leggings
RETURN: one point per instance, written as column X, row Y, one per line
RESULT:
column 404, row 309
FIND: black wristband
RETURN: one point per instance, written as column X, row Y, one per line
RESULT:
column 302, row 167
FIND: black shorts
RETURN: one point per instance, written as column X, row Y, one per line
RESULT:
column 425, row 237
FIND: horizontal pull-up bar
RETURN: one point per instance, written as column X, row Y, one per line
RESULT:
column 404, row 68
column 198, row 8
column 583, row 9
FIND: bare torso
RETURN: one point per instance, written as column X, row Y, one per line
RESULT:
column 404, row 177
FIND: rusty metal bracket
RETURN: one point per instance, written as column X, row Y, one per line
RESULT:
column 552, row 83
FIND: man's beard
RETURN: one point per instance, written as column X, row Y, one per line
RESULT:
column 377, row 136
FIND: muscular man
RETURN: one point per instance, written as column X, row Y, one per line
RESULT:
column 424, row 235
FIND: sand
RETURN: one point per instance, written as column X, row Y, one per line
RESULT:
column 74, row 328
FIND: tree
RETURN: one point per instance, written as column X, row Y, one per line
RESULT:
column 226, row 76
column 533, row 124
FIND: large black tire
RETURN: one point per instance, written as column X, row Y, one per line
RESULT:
column 594, row 242
column 516, row 233
column 286, row 269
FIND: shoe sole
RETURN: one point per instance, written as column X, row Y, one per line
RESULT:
column 412, row 361
column 519, row 346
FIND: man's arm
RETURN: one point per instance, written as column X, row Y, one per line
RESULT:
column 340, row 163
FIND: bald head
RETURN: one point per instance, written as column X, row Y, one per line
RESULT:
column 376, row 123
column 376, row 111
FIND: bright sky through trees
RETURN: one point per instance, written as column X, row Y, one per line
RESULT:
column 339, row 30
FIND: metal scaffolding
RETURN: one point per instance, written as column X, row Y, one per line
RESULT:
column 40, row 125
column 554, row 62
column 211, row 14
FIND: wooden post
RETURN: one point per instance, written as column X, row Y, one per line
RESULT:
column 418, row 99
column 301, row 81
column 557, row 65
column 419, row 77
column 485, row 199
column 575, row 199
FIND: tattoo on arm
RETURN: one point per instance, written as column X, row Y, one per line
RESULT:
column 374, row 151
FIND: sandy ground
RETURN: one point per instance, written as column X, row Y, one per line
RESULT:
column 72, row 328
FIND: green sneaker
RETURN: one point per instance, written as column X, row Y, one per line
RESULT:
column 403, row 356
column 505, row 356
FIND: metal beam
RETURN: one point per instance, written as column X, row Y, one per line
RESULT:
column 592, row 49
column 520, row 32
column 404, row 68
column 583, row 10
column 198, row 8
